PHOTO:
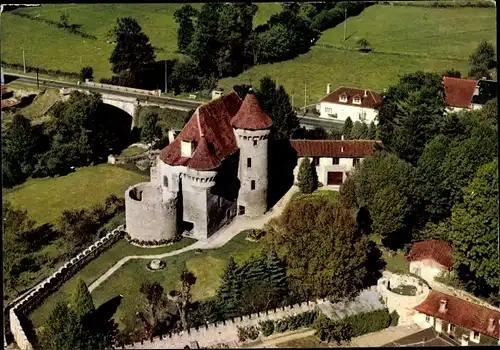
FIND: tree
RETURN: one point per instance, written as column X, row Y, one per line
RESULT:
column 154, row 309
column 62, row 329
column 359, row 131
column 184, row 18
column 347, row 128
column 411, row 114
column 371, row 134
column 389, row 211
column 276, row 103
column 182, row 297
column 87, row 73
column 479, row 72
column 475, row 230
column 82, row 303
column 481, row 60
column 310, row 237
column 363, row 44
column 64, row 20
column 242, row 90
column 133, row 51
column 452, row 73
column 229, row 292
column 348, row 193
column 306, row 179
column 151, row 130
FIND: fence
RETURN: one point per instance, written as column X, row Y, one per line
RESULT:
column 51, row 284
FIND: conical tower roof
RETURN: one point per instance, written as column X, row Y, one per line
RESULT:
column 203, row 158
column 251, row 115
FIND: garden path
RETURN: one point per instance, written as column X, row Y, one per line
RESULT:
column 216, row 241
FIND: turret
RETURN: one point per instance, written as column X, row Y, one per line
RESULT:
column 251, row 128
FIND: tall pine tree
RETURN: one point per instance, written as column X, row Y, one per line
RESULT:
column 346, row 130
column 229, row 292
column 371, row 134
column 82, row 303
column 306, row 179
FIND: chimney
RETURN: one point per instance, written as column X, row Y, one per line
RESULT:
column 366, row 94
column 442, row 306
column 491, row 324
column 328, row 89
column 342, row 137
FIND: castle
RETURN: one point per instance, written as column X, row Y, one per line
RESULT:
column 215, row 169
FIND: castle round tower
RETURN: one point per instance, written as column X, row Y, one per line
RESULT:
column 252, row 128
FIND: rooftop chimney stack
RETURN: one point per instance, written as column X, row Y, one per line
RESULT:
column 442, row 306
column 366, row 94
column 342, row 137
column 328, row 88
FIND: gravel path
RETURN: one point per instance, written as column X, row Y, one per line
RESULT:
column 216, row 241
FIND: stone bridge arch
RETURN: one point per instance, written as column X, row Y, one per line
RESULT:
column 126, row 104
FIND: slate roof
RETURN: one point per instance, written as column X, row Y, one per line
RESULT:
column 213, row 121
column 370, row 101
column 203, row 157
column 334, row 148
column 458, row 92
column 436, row 250
column 461, row 313
column 251, row 115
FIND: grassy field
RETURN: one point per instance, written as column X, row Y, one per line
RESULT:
column 95, row 268
column 207, row 267
column 46, row 198
column 132, row 151
column 330, row 195
column 404, row 39
column 53, row 48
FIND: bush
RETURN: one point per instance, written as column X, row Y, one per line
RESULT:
column 256, row 234
column 289, row 323
column 394, row 318
column 248, row 332
column 267, row 327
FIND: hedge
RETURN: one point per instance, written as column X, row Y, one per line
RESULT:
column 289, row 323
column 19, row 66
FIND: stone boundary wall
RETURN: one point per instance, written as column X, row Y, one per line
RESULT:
column 204, row 334
column 112, row 159
column 403, row 304
column 38, row 293
column 122, row 88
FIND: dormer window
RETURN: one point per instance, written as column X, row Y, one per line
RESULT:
column 343, row 98
column 187, row 148
column 356, row 100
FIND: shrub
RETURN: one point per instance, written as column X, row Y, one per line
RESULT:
column 267, row 327
column 248, row 332
column 394, row 318
column 256, row 234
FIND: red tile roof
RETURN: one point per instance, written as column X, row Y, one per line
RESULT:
column 461, row 313
column 213, row 120
column 458, row 92
column 203, row 157
column 334, row 148
column 436, row 250
column 251, row 116
column 371, row 100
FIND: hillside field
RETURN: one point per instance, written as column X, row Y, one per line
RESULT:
column 404, row 40
column 53, row 48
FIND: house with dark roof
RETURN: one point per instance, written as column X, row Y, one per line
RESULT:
column 459, row 319
column 334, row 159
column 214, row 169
column 467, row 94
column 358, row 104
column 429, row 258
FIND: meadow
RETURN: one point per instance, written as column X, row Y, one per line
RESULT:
column 53, row 48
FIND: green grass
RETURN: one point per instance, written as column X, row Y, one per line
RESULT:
column 207, row 266
column 132, row 151
column 395, row 263
column 330, row 195
column 306, row 342
column 95, row 268
column 53, row 48
column 46, row 198
column 404, row 39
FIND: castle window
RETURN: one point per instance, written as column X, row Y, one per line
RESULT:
column 355, row 161
column 335, row 161
column 165, row 181
column 249, row 162
column 252, row 185
column 255, row 142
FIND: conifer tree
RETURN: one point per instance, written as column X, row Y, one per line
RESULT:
column 372, row 131
column 305, row 179
column 346, row 130
column 82, row 303
column 276, row 274
column 230, row 288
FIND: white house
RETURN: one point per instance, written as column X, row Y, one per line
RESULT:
column 429, row 258
column 334, row 159
column 467, row 94
column 358, row 104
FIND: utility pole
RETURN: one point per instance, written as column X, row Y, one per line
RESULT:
column 292, row 97
column 166, row 76
column 345, row 22
column 24, row 62
column 305, row 94
column 37, row 82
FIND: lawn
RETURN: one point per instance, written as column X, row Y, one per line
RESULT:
column 207, row 267
column 46, row 198
column 330, row 195
column 95, row 268
column 132, row 151
column 306, row 342
column 53, row 48
column 404, row 39
column 395, row 263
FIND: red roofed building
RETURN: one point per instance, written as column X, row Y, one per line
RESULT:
column 462, row 320
column 334, row 159
column 357, row 104
column 458, row 93
column 429, row 258
column 214, row 169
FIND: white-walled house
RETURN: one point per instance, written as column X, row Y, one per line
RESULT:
column 358, row 104
column 429, row 258
column 466, row 322
column 467, row 94
column 334, row 159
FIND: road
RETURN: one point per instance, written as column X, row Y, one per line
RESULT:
column 308, row 122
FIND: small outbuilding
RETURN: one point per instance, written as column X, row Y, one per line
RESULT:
column 429, row 258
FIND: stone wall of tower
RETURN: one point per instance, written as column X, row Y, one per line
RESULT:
column 253, row 171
